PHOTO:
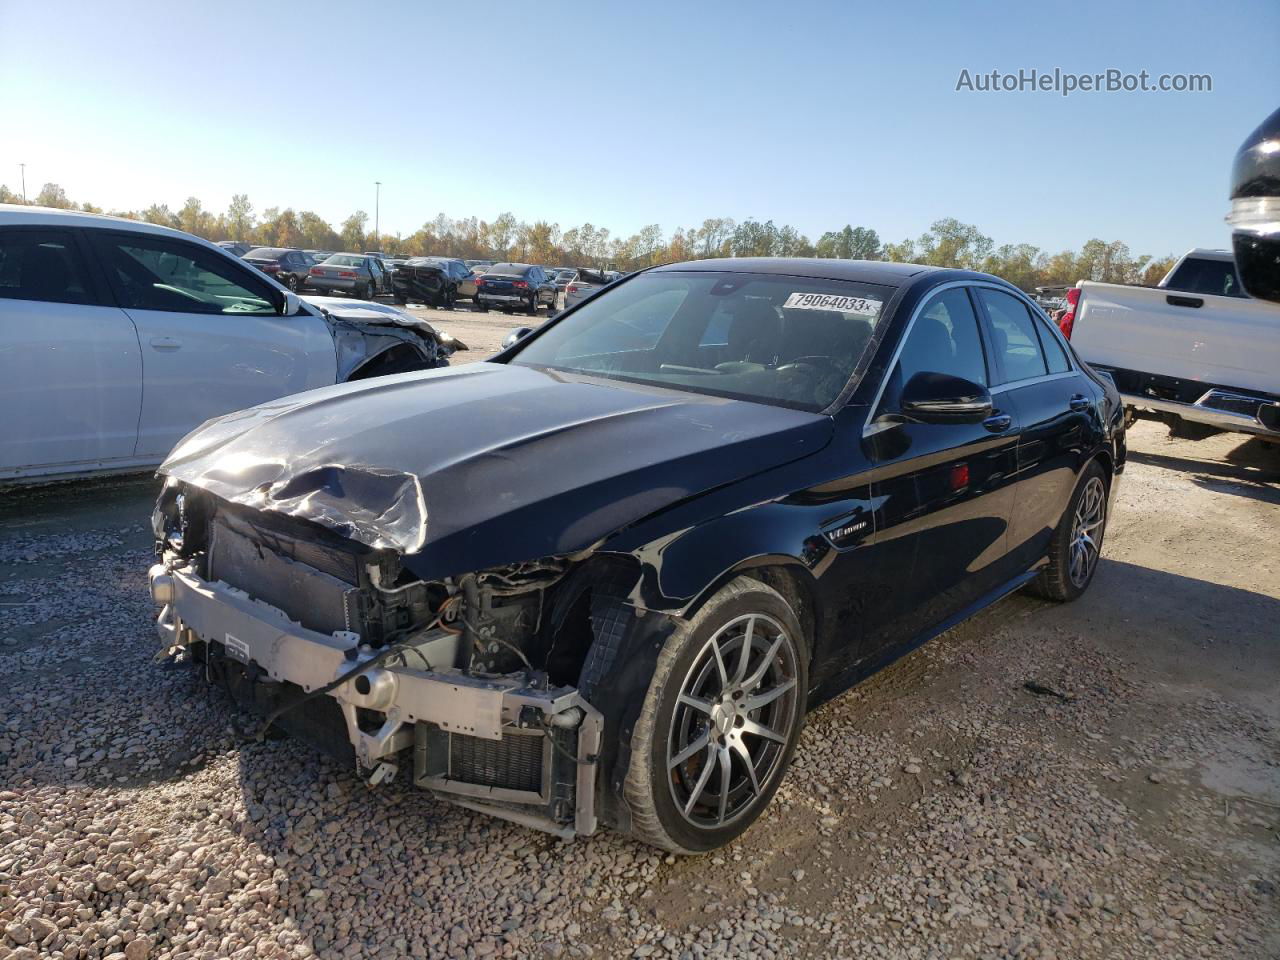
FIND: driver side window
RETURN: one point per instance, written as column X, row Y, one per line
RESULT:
column 943, row 339
column 155, row 273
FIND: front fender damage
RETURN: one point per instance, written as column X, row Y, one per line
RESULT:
column 363, row 330
column 357, row 343
column 510, row 691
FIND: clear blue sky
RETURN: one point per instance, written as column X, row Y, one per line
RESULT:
column 813, row 114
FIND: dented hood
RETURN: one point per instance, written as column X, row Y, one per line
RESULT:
column 473, row 467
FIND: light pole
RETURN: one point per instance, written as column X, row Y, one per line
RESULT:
column 377, row 202
column 23, row 168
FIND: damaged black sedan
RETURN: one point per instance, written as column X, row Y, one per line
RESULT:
column 601, row 578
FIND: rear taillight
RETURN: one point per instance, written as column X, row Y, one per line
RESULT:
column 271, row 267
column 573, row 287
column 346, row 273
column 315, row 271
column 519, row 284
column 1068, row 320
column 479, row 281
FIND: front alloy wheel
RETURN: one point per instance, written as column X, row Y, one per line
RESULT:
column 735, row 710
column 719, row 722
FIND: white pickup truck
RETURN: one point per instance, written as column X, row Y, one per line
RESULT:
column 1196, row 351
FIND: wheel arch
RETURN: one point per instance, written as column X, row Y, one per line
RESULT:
column 398, row 358
column 788, row 576
column 1106, row 459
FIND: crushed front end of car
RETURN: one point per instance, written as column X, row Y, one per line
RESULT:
column 372, row 339
column 469, row 683
column 427, row 574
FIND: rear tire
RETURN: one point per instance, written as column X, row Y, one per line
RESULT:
column 1076, row 545
column 711, row 719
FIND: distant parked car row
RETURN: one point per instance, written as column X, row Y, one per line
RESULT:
column 433, row 281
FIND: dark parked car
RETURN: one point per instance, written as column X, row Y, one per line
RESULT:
column 515, row 286
column 289, row 267
column 602, row 577
column 438, row 281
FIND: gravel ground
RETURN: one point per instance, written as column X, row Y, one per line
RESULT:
column 942, row 809
column 483, row 333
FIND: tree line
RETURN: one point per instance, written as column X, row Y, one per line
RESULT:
column 947, row 243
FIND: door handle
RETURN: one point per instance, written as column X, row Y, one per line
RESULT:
column 1183, row 301
column 1080, row 402
column 999, row 423
column 166, row 343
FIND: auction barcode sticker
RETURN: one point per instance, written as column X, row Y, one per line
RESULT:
column 866, row 306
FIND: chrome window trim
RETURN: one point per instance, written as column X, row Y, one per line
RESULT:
column 1027, row 381
column 869, row 428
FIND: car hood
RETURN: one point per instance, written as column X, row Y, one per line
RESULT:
column 474, row 467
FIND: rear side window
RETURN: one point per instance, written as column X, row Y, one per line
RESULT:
column 155, row 273
column 1015, row 345
column 42, row 265
column 1055, row 357
column 1216, row 278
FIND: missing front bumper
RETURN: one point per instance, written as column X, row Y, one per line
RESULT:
column 495, row 744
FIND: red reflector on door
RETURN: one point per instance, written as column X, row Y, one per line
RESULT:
column 960, row 476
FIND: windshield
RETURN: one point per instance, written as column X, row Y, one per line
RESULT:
column 789, row 341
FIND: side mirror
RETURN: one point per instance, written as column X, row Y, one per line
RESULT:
column 1255, row 211
column 290, row 304
column 942, row 398
column 515, row 336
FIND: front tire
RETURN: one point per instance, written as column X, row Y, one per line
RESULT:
column 717, row 729
column 1076, row 545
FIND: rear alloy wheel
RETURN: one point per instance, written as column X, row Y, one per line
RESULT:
column 1076, row 546
column 720, row 721
column 532, row 309
column 292, row 283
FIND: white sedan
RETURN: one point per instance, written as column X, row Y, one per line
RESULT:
column 117, row 338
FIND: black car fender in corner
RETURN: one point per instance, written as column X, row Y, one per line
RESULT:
column 615, row 678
